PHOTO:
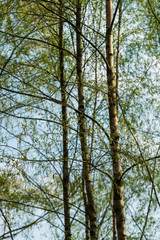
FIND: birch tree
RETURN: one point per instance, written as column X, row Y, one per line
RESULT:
column 79, row 119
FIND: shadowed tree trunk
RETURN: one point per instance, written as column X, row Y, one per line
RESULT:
column 65, row 132
column 114, row 134
column 82, row 125
column 118, row 49
column 87, row 232
column 114, row 224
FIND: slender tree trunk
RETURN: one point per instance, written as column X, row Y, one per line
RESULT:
column 117, row 80
column 87, row 232
column 82, row 125
column 65, row 133
column 113, row 116
column 118, row 48
column 95, row 102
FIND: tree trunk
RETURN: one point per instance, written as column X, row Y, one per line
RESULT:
column 118, row 49
column 65, row 133
column 114, row 224
column 87, row 232
column 113, row 116
column 82, row 125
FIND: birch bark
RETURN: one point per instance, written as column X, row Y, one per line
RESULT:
column 113, row 117
column 82, row 125
column 67, row 222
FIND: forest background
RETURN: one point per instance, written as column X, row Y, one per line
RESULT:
column 79, row 119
